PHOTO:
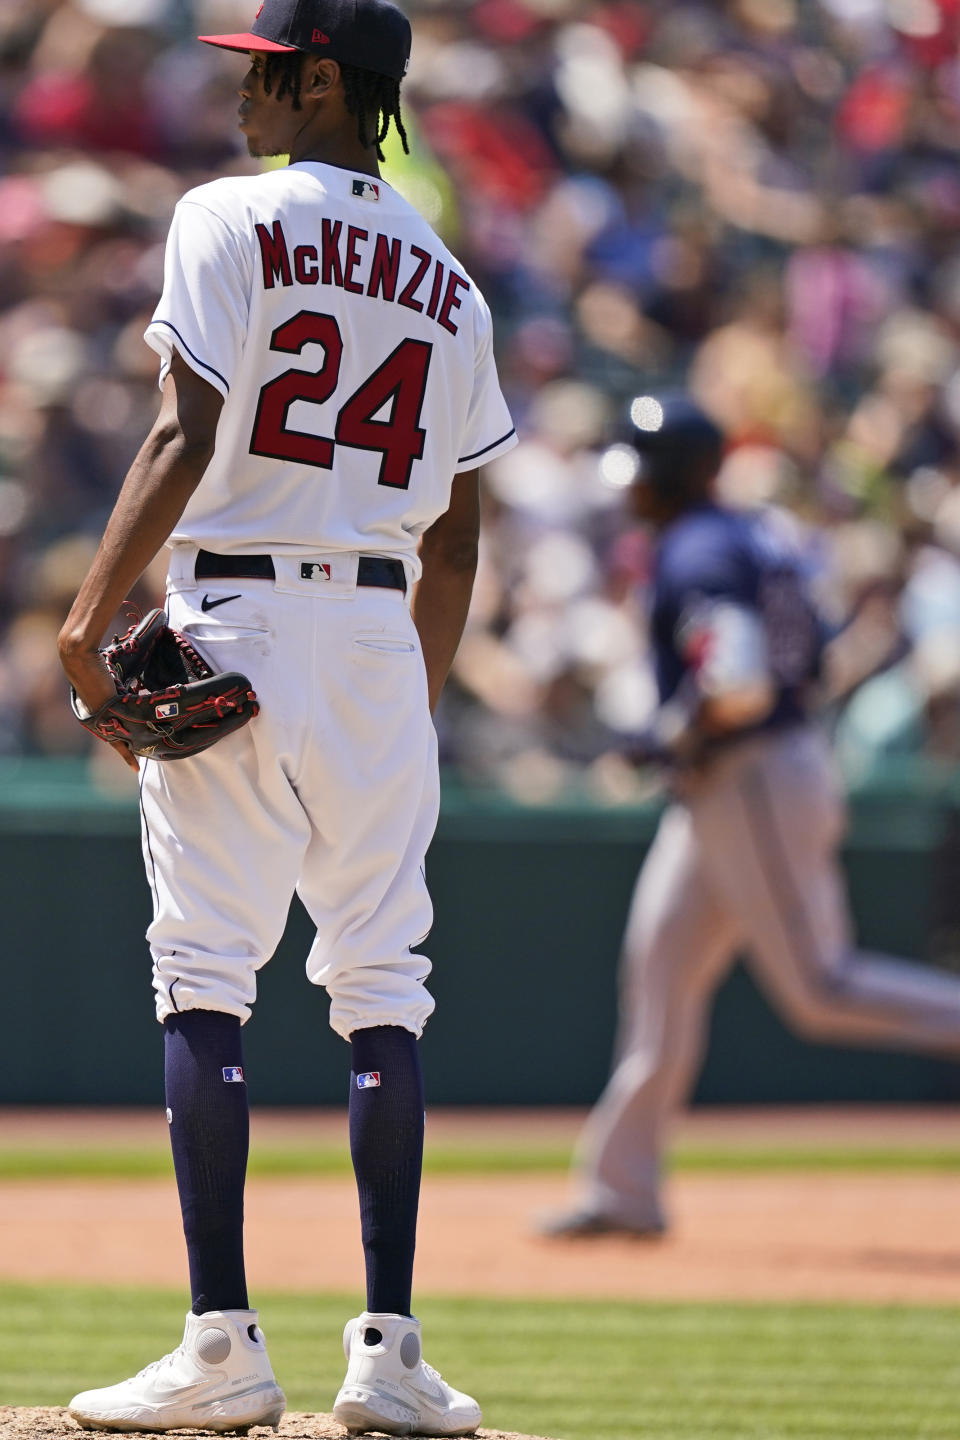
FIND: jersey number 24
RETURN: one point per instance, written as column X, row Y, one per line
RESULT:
column 400, row 382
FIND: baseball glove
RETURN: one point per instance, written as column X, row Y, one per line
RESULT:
column 169, row 704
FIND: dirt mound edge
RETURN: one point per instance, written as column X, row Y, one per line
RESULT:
column 36, row 1423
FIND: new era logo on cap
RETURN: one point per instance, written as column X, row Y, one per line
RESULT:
column 319, row 38
column 369, row 1080
column 233, row 1075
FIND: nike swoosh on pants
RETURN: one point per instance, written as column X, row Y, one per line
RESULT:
column 208, row 604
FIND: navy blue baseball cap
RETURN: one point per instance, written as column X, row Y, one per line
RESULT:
column 672, row 425
column 667, row 443
column 370, row 34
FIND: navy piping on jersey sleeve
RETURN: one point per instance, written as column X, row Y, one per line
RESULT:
column 477, row 453
column 186, row 347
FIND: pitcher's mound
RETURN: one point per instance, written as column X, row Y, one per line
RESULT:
column 37, row 1424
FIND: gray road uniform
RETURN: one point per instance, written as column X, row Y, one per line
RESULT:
column 744, row 859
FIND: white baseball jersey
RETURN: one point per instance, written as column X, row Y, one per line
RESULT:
column 354, row 355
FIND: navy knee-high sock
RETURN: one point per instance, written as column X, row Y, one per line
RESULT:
column 210, row 1134
column 386, row 1143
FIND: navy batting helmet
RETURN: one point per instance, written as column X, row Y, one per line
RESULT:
column 668, row 443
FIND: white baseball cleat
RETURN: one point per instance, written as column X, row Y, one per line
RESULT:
column 585, row 1224
column 390, row 1388
column 218, row 1378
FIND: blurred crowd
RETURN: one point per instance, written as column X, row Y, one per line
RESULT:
column 758, row 199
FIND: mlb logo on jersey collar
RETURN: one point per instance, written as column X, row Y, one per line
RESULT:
column 366, row 190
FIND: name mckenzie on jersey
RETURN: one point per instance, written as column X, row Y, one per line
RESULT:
column 386, row 269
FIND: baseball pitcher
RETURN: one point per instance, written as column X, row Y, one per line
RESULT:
column 328, row 392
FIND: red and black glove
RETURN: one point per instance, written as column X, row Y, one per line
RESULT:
column 169, row 704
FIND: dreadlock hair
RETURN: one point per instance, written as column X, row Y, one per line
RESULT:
column 377, row 97
column 367, row 96
column 286, row 70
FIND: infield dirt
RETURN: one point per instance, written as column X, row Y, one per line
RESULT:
column 36, row 1424
column 834, row 1236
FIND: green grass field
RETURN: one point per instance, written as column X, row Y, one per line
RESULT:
column 585, row 1371
column 35, row 1162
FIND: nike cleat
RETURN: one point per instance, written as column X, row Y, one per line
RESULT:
column 390, row 1388
column 218, row 1378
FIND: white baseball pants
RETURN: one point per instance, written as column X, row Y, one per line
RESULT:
column 747, row 859
column 332, row 792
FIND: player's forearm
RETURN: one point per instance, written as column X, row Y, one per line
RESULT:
column 440, row 604
column 679, row 729
column 737, row 711
column 154, row 495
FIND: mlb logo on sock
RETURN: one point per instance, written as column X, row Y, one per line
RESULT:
column 369, row 1080
column 233, row 1075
